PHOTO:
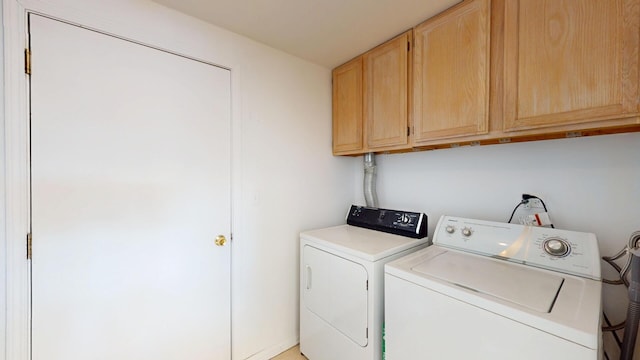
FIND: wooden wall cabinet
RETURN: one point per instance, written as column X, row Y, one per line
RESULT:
column 494, row 71
column 371, row 100
column 347, row 108
column 386, row 94
column 451, row 73
column 570, row 62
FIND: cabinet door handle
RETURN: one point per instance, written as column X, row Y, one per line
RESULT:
column 308, row 277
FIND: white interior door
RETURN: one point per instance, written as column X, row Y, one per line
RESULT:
column 130, row 170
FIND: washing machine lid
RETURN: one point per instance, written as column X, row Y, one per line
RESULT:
column 370, row 245
column 532, row 289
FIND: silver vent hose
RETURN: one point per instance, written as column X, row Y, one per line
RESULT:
column 370, row 195
column 633, row 312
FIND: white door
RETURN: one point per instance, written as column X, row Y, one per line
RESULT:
column 130, row 170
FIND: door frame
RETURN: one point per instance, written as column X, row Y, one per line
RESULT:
column 17, row 339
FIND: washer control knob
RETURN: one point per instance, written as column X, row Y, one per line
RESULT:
column 556, row 247
column 467, row 232
column 450, row 229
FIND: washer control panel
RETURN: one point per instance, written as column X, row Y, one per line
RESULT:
column 565, row 251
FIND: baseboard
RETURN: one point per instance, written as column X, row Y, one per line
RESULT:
column 271, row 352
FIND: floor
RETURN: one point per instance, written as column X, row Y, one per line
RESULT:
column 291, row 354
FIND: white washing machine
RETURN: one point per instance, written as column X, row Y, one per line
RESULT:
column 341, row 290
column 489, row 290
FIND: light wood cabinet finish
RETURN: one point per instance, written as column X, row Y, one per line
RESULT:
column 451, row 73
column 347, row 108
column 497, row 71
column 569, row 62
column 386, row 100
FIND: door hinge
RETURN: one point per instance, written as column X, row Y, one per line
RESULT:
column 29, row 245
column 366, row 333
column 27, row 61
column 366, row 285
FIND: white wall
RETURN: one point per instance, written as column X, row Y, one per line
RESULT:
column 589, row 184
column 289, row 182
column 2, row 201
column 284, row 177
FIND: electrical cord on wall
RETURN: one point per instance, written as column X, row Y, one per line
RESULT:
column 525, row 200
column 516, row 208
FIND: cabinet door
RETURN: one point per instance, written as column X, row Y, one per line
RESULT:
column 386, row 100
column 451, row 73
column 570, row 62
column 347, row 107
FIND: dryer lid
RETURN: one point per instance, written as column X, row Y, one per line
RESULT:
column 520, row 285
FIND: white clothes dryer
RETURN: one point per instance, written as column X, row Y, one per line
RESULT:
column 341, row 290
column 488, row 290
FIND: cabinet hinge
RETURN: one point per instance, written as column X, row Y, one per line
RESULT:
column 27, row 61
column 408, row 131
column 29, row 247
column 366, row 285
column 408, row 45
column 366, row 333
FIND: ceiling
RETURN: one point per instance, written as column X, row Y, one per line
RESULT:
column 326, row 32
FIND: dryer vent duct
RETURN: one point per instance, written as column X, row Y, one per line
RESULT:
column 633, row 311
column 370, row 195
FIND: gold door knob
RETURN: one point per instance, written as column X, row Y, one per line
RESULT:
column 221, row 240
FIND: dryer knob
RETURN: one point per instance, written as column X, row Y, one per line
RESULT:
column 405, row 219
column 467, row 232
column 450, row 229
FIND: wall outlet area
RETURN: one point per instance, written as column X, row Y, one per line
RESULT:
column 533, row 204
column 537, row 219
column 532, row 212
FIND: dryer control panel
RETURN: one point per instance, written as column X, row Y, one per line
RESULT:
column 564, row 251
column 399, row 222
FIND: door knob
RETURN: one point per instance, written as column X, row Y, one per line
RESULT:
column 221, row 240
